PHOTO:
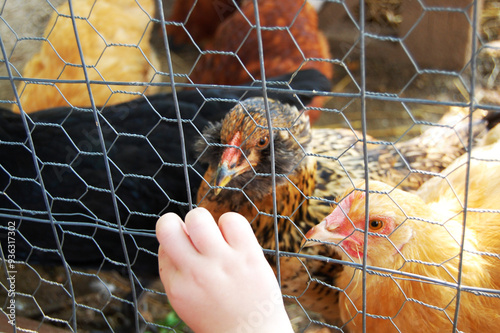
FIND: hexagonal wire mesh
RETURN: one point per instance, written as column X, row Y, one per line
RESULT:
column 99, row 119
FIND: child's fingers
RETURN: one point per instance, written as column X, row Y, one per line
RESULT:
column 174, row 240
column 204, row 232
column 238, row 233
column 166, row 267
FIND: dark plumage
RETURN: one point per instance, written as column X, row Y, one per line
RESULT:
column 142, row 145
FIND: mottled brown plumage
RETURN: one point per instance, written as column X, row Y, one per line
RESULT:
column 312, row 167
column 248, row 124
column 407, row 164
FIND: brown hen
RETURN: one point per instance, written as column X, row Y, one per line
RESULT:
column 197, row 20
column 291, row 41
column 312, row 167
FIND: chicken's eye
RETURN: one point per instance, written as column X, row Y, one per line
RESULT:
column 263, row 142
column 376, row 224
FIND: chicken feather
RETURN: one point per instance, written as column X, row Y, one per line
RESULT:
column 116, row 48
column 420, row 233
column 291, row 40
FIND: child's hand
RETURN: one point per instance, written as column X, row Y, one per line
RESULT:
column 217, row 278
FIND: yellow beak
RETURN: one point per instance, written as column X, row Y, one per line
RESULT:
column 222, row 177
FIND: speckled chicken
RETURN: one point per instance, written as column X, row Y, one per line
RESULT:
column 312, row 167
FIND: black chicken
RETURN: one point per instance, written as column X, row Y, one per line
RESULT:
column 73, row 196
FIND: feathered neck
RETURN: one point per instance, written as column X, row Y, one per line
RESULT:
column 433, row 252
column 252, row 193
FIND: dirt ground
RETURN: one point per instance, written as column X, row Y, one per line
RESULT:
column 44, row 304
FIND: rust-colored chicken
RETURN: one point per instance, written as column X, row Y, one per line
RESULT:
column 421, row 234
column 291, row 41
column 114, row 36
column 197, row 20
column 312, row 167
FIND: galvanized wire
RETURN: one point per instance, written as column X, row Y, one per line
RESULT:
column 120, row 227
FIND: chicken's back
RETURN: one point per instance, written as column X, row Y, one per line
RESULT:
column 483, row 181
column 116, row 48
column 290, row 37
column 477, row 176
column 199, row 18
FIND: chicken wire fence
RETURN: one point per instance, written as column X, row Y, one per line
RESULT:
column 102, row 101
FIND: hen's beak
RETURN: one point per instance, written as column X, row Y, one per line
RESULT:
column 316, row 235
column 223, row 176
column 232, row 165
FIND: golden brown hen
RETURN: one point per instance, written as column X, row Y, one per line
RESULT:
column 309, row 163
column 421, row 234
column 116, row 48
column 291, row 41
